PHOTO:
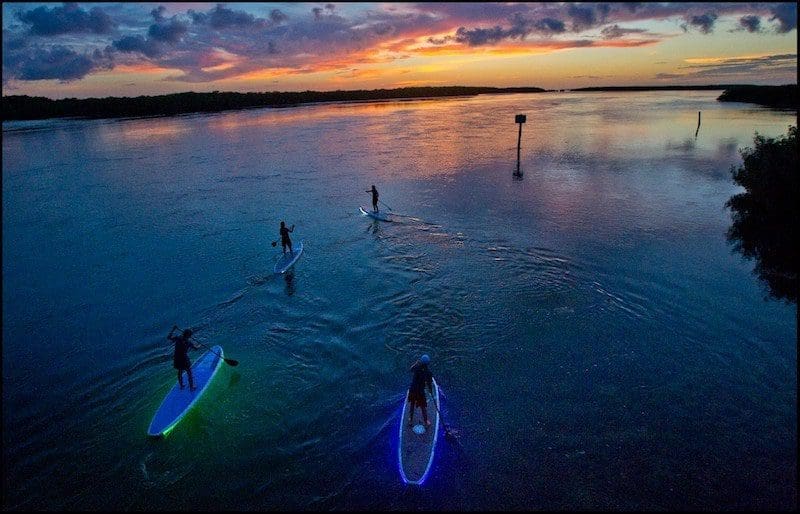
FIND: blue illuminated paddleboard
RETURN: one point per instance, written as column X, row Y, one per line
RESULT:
column 286, row 260
column 178, row 401
column 377, row 215
column 418, row 443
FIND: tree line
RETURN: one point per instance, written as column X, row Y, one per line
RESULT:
column 23, row 107
column 772, row 96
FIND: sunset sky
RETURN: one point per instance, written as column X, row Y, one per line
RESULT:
column 130, row 49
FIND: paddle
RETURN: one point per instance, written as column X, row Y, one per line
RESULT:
column 230, row 362
column 384, row 203
column 275, row 243
column 451, row 437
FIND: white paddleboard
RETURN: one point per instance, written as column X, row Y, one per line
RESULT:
column 417, row 444
column 178, row 401
column 377, row 215
column 286, row 260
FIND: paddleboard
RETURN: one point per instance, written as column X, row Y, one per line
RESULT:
column 286, row 260
column 418, row 443
column 178, row 401
column 377, row 215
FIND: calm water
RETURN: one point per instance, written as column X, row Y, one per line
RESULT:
column 599, row 344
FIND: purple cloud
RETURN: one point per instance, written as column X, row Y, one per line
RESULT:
column 148, row 47
column 57, row 62
column 704, row 22
column 750, row 23
column 324, row 37
column 171, row 32
column 158, row 13
column 779, row 64
column 277, row 16
column 616, row 32
column 69, row 19
column 551, row 25
column 220, row 17
column 786, row 14
column 583, row 17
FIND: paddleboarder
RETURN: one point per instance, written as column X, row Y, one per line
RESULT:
column 374, row 197
column 285, row 241
column 180, row 360
column 416, row 392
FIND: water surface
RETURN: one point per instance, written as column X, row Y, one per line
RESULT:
column 599, row 344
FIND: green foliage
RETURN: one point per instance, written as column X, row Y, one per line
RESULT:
column 766, row 215
column 773, row 96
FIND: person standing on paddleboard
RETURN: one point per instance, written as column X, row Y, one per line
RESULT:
column 285, row 241
column 180, row 360
column 374, row 197
column 416, row 392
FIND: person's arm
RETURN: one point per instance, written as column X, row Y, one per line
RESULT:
column 429, row 381
column 169, row 336
column 291, row 229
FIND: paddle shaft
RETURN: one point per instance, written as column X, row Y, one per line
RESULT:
column 384, row 203
column 229, row 362
column 446, row 428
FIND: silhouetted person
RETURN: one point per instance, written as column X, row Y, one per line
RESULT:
column 416, row 392
column 374, row 197
column 180, row 360
column 285, row 241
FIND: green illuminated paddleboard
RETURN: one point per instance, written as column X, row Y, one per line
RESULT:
column 178, row 401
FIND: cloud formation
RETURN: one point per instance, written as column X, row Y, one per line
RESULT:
column 68, row 19
column 55, row 62
column 616, row 32
column 723, row 68
column 786, row 16
column 750, row 23
column 704, row 22
column 217, row 41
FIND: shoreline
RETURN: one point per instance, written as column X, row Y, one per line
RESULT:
column 27, row 108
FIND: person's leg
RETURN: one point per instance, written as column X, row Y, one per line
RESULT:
column 180, row 378
column 411, row 413
column 191, row 380
column 375, row 206
column 290, row 248
column 424, row 406
column 283, row 244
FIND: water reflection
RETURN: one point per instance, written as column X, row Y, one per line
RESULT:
column 375, row 227
column 290, row 284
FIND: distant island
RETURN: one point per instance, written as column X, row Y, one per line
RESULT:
column 656, row 88
column 34, row 108
column 23, row 107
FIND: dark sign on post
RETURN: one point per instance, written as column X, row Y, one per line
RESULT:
column 519, row 118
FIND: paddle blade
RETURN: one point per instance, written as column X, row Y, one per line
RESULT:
column 231, row 362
